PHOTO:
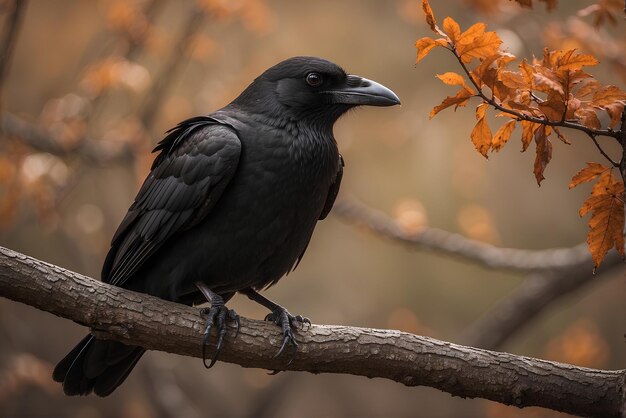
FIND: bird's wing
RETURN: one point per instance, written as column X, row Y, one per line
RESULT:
column 197, row 160
column 333, row 191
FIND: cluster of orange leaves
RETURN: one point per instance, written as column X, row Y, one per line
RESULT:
column 541, row 96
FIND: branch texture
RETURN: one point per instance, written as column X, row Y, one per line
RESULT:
column 412, row 360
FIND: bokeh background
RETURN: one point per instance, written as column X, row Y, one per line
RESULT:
column 92, row 86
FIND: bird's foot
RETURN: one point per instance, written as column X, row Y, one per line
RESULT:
column 281, row 317
column 217, row 315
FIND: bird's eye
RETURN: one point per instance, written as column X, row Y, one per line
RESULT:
column 314, row 79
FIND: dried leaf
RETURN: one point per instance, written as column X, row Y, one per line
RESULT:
column 481, row 47
column 615, row 112
column 478, row 73
column 588, row 173
column 528, row 132
column 553, row 107
column 560, row 136
column 528, row 73
column 544, row 152
column 571, row 61
column 546, row 81
column 454, row 79
column 430, row 18
column 481, row 134
column 503, row 134
column 513, row 80
column 452, row 29
column 608, row 95
column 587, row 88
column 424, row 46
column 588, row 117
column 606, row 224
column 460, row 99
column 573, row 104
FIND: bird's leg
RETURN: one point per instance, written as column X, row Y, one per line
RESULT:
column 216, row 315
column 281, row 317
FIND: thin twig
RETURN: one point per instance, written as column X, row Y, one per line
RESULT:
column 595, row 141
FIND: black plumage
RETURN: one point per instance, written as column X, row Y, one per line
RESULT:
column 229, row 206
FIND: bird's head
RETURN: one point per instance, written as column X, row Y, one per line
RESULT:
column 306, row 87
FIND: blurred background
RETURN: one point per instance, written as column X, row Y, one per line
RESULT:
column 92, row 86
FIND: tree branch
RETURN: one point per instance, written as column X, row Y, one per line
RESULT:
column 9, row 37
column 154, row 99
column 538, row 292
column 457, row 245
column 91, row 150
column 412, row 360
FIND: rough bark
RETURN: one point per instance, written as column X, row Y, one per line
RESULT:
column 409, row 359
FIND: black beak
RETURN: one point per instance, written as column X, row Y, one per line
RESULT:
column 361, row 91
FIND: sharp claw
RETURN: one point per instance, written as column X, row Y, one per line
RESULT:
column 233, row 316
column 216, row 317
column 287, row 322
column 205, row 343
column 286, row 338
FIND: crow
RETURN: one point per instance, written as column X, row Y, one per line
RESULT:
column 229, row 206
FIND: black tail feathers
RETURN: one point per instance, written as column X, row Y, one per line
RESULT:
column 97, row 366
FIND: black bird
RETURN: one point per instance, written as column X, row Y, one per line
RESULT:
column 229, row 206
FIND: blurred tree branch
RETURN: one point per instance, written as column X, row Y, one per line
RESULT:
column 155, row 96
column 538, row 292
column 412, row 360
column 90, row 150
column 9, row 35
column 457, row 245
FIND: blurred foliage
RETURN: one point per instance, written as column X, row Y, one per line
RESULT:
column 112, row 76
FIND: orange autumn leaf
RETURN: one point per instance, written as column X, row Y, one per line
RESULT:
column 544, row 152
column 606, row 224
column 588, row 173
column 615, row 112
column 553, row 107
column 473, row 32
column 528, row 132
column 572, row 61
column 480, row 47
column 481, row 134
column 503, row 134
column 460, row 99
column 452, row 29
column 430, row 18
column 589, row 118
column 424, row 46
column 587, row 88
column 454, row 79
column 513, row 80
column 608, row 95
